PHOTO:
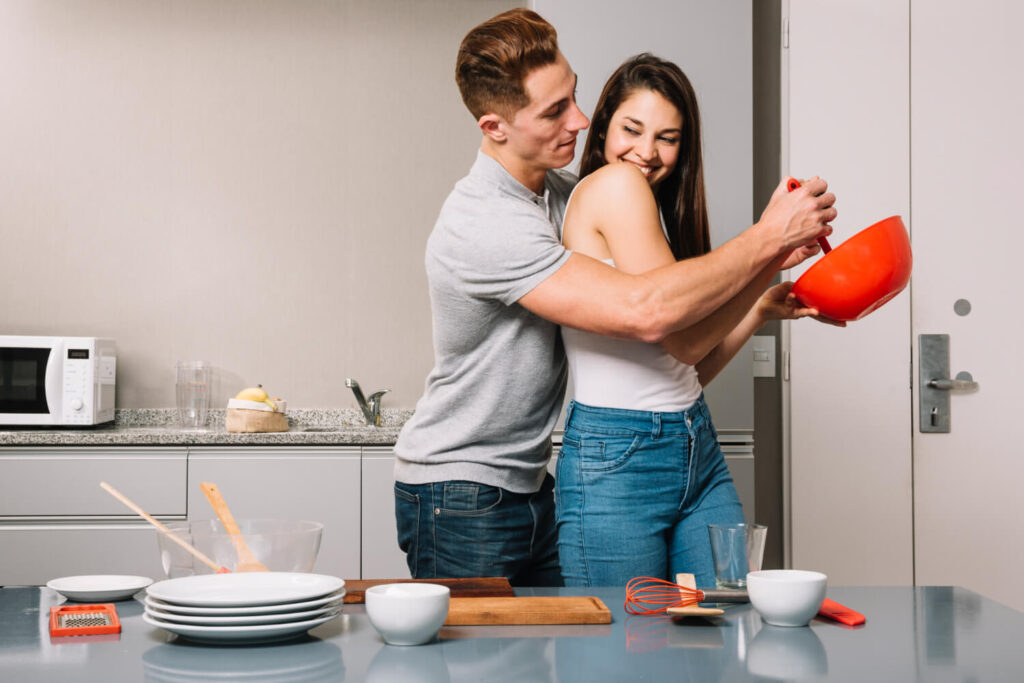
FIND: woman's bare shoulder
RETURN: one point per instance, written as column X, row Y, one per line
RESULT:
column 612, row 188
column 614, row 177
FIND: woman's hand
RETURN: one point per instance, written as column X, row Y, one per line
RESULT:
column 779, row 303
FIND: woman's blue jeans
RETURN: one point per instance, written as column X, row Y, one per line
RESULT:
column 635, row 492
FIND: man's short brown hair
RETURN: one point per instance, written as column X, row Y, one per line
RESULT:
column 497, row 56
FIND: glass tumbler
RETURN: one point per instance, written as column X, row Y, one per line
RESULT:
column 736, row 549
column 192, row 391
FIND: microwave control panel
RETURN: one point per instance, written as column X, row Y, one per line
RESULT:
column 77, row 390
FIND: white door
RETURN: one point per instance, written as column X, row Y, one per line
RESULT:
column 967, row 170
column 848, row 112
column 926, row 90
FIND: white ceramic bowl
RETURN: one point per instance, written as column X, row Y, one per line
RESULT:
column 787, row 597
column 407, row 613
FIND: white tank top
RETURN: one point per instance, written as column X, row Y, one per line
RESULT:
column 627, row 374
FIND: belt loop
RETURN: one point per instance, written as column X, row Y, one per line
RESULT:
column 655, row 425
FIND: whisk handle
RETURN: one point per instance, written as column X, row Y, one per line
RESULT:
column 725, row 596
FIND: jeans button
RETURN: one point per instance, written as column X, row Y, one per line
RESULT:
column 437, row 511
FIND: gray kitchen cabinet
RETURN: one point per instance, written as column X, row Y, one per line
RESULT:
column 51, row 482
column 381, row 557
column 321, row 484
column 33, row 553
column 55, row 520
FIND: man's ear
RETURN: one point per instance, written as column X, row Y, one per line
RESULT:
column 493, row 127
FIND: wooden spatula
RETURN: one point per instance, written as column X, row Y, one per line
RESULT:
column 170, row 534
column 247, row 562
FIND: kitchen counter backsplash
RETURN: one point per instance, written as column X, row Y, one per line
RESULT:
column 159, row 427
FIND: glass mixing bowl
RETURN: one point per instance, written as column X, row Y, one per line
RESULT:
column 280, row 544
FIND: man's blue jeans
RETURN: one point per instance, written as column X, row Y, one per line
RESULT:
column 457, row 529
column 635, row 492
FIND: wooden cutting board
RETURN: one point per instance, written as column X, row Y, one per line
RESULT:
column 527, row 610
column 483, row 587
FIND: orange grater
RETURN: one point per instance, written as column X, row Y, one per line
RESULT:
column 83, row 620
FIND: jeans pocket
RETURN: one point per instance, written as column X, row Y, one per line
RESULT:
column 407, row 517
column 466, row 499
column 608, row 453
column 406, row 496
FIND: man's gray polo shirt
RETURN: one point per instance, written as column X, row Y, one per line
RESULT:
column 496, row 389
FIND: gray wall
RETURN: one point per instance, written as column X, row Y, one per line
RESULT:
column 246, row 182
column 252, row 183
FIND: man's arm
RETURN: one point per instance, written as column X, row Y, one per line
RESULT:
column 590, row 295
column 692, row 344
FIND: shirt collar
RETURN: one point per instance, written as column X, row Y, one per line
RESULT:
column 489, row 169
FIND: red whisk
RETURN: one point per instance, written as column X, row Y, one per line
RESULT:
column 648, row 595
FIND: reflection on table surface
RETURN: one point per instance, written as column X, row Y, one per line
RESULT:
column 931, row 633
column 300, row 660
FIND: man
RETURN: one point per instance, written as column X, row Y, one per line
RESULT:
column 472, row 494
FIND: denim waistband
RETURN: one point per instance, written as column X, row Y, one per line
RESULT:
column 600, row 420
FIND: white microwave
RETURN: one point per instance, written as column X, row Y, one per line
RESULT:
column 57, row 380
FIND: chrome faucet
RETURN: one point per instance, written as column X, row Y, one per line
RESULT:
column 371, row 408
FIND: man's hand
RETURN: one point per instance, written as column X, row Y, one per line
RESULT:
column 799, row 255
column 802, row 216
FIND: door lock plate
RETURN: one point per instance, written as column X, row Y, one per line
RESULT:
column 933, row 364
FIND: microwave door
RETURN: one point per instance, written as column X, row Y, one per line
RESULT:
column 28, row 376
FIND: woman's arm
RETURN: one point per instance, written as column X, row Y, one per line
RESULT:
column 614, row 215
column 694, row 343
column 778, row 303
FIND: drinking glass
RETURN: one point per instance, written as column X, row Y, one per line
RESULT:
column 736, row 549
column 192, row 390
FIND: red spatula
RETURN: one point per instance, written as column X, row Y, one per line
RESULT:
column 844, row 615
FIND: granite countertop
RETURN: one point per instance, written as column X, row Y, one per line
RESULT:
column 158, row 427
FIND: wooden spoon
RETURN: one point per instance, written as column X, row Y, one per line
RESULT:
column 170, row 534
column 247, row 562
column 689, row 581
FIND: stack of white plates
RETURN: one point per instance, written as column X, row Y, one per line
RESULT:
column 243, row 608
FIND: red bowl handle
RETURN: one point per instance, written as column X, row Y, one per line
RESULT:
column 791, row 185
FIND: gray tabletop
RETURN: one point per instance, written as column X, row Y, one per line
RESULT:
column 912, row 634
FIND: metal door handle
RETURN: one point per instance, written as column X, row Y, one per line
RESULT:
column 953, row 384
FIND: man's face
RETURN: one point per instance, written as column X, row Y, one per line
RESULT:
column 543, row 133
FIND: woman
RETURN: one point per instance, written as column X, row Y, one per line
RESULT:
column 641, row 475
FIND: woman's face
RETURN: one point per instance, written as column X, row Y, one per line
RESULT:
column 645, row 131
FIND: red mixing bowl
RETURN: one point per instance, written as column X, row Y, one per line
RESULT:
column 860, row 274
